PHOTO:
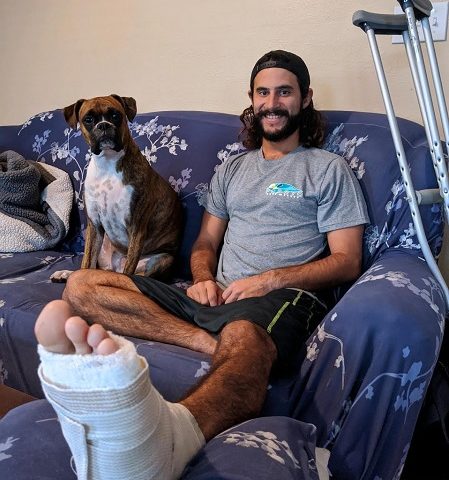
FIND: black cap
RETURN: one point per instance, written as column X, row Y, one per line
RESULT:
column 287, row 60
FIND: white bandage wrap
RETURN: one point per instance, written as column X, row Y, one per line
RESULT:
column 116, row 423
column 93, row 371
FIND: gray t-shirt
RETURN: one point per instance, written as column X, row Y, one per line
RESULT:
column 280, row 210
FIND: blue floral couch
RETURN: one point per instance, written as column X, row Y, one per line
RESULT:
column 366, row 368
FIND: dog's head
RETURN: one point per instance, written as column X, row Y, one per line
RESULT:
column 103, row 121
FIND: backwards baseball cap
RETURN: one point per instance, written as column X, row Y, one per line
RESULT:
column 287, row 60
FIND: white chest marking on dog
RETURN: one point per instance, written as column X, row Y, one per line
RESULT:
column 107, row 198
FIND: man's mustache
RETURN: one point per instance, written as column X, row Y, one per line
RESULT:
column 272, row 111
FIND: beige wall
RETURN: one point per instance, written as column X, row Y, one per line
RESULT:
column 194, row 55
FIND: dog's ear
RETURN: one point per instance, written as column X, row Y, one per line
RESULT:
column 129, row 104
column 71, row 113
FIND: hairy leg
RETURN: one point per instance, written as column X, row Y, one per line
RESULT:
column 113, row 301
column 236, row 387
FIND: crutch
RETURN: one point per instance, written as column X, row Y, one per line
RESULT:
column 380, row 24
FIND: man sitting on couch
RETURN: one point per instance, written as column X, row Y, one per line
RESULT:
column 290, row 217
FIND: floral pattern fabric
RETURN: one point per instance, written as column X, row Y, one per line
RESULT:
column 366, row 368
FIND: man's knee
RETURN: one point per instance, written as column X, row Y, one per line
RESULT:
column 245, row 336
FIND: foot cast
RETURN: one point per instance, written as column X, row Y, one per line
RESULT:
column 116, row 423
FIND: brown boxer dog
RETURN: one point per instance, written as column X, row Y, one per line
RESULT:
column 131, row 210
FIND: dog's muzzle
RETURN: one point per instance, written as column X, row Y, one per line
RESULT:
column 104, row 133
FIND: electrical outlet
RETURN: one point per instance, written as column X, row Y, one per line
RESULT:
column 437, row 20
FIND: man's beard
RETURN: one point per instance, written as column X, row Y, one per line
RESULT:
column 290, row 127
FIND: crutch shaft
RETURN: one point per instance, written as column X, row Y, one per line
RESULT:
column 422, row 8
column 437, row 80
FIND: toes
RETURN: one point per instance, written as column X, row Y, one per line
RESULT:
column 100, row 341
column 96, row 334
column 49, row 328
column 106, row 347
column 77, row 330
column 58, row 331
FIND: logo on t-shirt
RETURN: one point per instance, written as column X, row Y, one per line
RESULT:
column 284, row 190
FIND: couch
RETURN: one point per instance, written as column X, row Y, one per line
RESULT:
column 366, row 368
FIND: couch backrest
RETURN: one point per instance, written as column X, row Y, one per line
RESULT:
column 186, row 147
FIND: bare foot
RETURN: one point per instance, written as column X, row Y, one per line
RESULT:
column 59, row 331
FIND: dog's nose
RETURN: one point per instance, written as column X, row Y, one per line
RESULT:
column 103, row 126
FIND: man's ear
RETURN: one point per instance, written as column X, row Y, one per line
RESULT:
column 307, row 99
column 250, row 95
column 129, row 104
column 71, row 113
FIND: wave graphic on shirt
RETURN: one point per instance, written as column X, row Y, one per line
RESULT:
column 284, row 190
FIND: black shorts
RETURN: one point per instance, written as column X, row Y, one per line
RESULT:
column 288, row 315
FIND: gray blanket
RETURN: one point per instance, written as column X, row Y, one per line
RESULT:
column 35, row 204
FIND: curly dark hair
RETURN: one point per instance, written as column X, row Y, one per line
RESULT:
column 311, row 124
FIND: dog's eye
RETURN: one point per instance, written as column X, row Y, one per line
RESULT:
column 116, row 117
column 88, row 119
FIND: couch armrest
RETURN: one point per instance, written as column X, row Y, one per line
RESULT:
column 399, row 284
column 390, row 322
column 369, row 364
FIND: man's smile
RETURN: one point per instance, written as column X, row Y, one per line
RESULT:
column 273, row 119
column 273, row 116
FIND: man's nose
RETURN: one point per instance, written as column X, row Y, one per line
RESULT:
column 272, row 101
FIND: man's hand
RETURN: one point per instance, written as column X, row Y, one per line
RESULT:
column 206, row 293
column 255, row 286
column 203, row 261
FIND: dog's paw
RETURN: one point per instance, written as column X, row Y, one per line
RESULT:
column 60, row 276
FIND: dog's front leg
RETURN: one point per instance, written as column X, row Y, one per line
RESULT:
column 93, row 242
column 135, row 247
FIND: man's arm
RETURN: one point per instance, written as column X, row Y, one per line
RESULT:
column 342, row 265
column 203, row 261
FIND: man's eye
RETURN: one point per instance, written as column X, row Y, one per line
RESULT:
column 284, row 93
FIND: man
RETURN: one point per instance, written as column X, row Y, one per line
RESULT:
column 290, row 217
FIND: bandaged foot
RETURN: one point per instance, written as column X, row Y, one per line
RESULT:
column 115, row 422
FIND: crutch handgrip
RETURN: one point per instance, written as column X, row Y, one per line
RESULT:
column 382, row 24
column 422, row 8
column 428, row 196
